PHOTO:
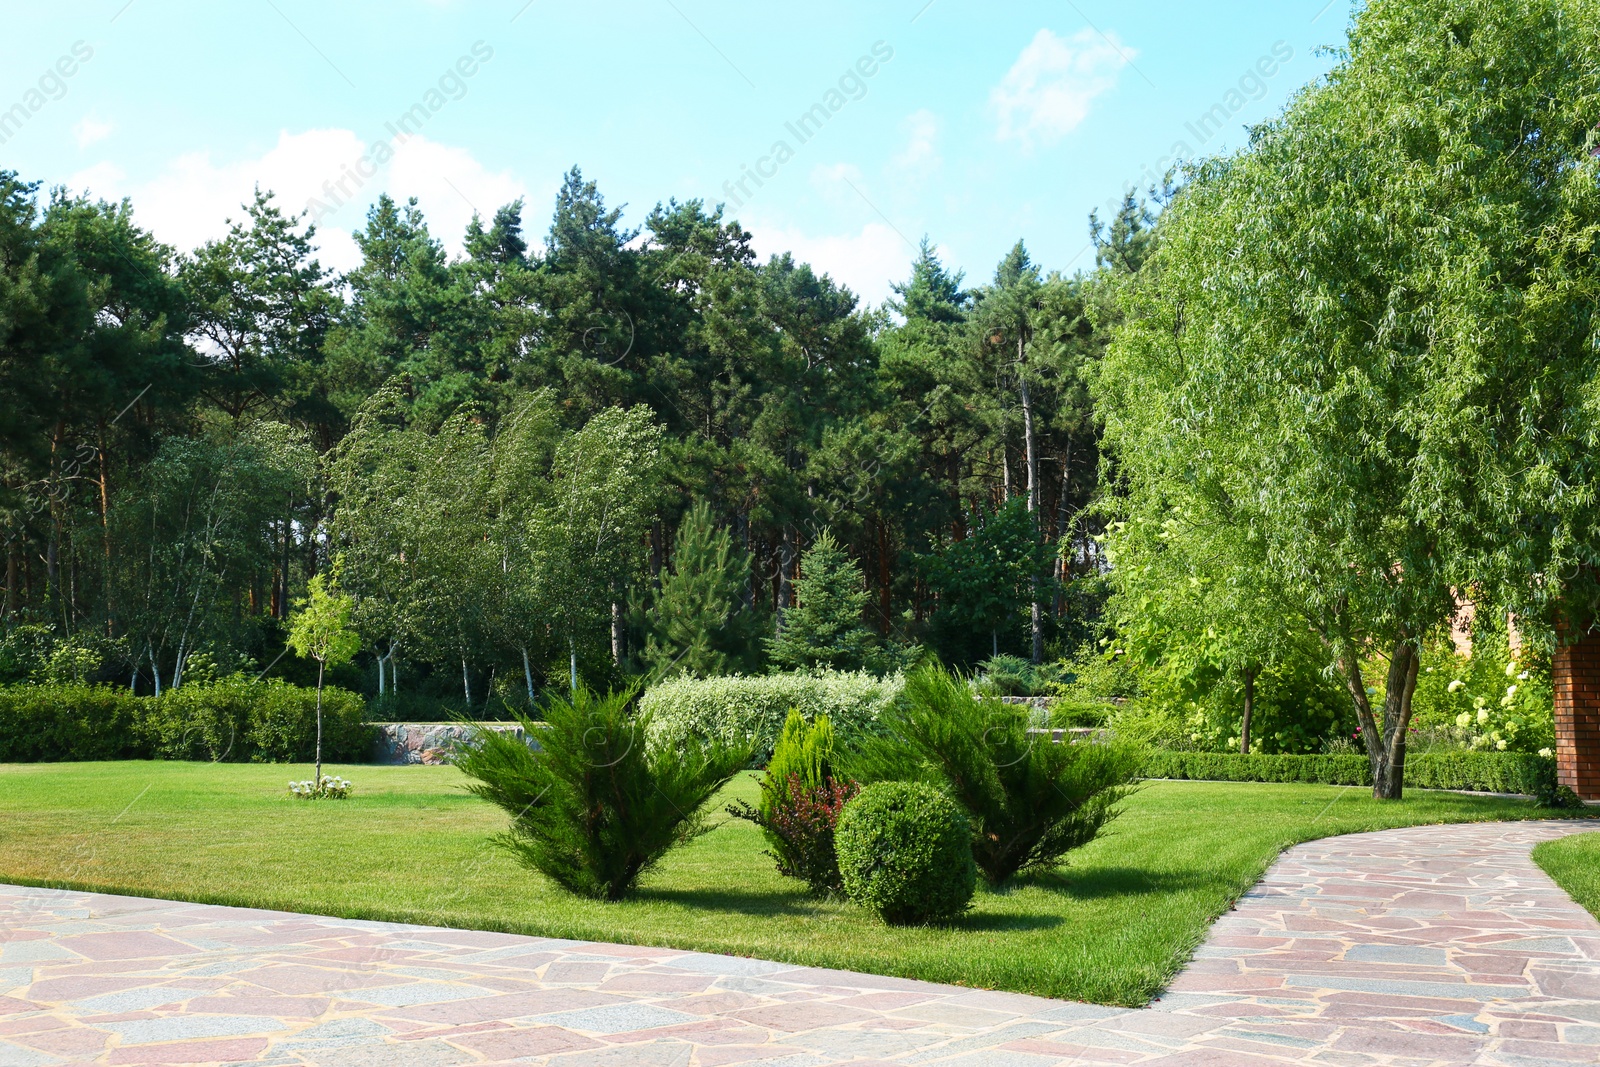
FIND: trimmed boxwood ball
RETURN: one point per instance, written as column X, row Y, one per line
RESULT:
column 905, row 852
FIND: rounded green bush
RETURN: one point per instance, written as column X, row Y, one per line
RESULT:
column 905, row 852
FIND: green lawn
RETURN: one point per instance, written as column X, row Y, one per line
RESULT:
column 1112, row 927
column 1574, row 862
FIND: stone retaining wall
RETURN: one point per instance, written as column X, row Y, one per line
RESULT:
column 402, row 743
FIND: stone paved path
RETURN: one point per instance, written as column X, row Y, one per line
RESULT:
column 1426, row 946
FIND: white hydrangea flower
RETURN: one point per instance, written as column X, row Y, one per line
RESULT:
column 1464, row 720
column 1545, row 752
column 1483, row 715
column 1500, row 746
column 1456, row 685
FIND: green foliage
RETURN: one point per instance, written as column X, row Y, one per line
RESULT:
column 234, row 719
column 1298, row 708
column 905, row 854
column 594, row 808
column 1013, row 676
column 1031, row 801
column 1485, row 772
column 824, row 628
column 985, row 585
column 803, row 750
column 33, row 653
column 694, row 621
column 320, row 629
column 1359, row 362
column 752, row 710
column 282, row 727
column 800, row 804
column 40, row 723
column 1491, row 701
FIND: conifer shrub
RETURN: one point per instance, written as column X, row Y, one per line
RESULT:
column 801, row 800
column 1032, row 800
column 905, row 853
column 595, row 808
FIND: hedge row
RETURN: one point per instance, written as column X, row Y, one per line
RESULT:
column 236, row 720
column 1486, row 772
column 739, row 710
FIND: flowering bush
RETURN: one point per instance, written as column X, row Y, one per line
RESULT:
column 751, row 711
column 1493, row 702
column 330, row 788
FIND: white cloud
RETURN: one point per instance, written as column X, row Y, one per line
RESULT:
column 190, row 201
column 1047, row 93
column 91, row 130
column 867, row 262
column 921, row 153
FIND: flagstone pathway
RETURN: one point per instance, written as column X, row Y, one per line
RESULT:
column 1438, row 945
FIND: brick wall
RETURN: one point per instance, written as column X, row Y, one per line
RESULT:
column 1576, row 673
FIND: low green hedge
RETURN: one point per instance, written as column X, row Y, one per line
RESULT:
column 236, row 720
column 1486, row 772
column 738, row 710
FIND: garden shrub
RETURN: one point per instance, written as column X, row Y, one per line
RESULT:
column 1492, row 701
column 62, row 723
column 236, row 719
column 800, row 804
column 201, row 722
column 282, row 727
column 1484, row 772
column 596, row 807
column 1032, row 801
column 742, row 711
column 905, row 853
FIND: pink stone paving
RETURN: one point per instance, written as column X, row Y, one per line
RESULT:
column 1427, row 947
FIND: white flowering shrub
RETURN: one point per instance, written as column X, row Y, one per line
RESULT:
column 331, row 787
column 1492, row 702
column 739, row 710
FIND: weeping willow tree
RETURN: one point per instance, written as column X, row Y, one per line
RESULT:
column 1366, row 346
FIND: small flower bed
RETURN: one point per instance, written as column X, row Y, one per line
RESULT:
column 330, row 788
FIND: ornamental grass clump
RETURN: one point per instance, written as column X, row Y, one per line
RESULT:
column 1031, row 800
column 801, row 800
column 905, row 853
column 594, row 808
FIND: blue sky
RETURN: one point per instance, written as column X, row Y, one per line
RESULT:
column 985, row 123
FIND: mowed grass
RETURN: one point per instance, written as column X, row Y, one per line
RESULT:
column 1574, row 863
column 1112, row 927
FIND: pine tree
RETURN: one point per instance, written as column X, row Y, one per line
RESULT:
column 824, row 629
column 695, row 624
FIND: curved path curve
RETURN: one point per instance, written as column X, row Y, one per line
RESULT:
column 1439, row 945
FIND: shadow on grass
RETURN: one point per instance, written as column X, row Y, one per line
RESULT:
column 1102, row 882
column 734, row 900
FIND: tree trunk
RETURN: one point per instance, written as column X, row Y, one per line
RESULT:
column 105, row 532
column 527, row 674
column 572, row 649
column 1386, row 746
column 317, row 781
column 466, row 684
column 617, row 635
column 1036, row 609
column 786, row 561
column 885, row 578
column 1249, row 709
